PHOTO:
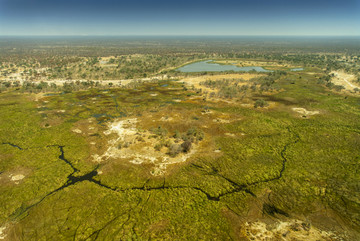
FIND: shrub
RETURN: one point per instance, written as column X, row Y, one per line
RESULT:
column 339, row 87
column 174, row 149
column 194, row 133
column 177, row 135
column 158, row 146
column 159, row 131
column 260, row 103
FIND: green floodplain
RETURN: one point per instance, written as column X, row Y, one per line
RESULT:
column 251, row 156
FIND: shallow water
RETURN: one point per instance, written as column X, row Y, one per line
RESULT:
column 208, row 66
column 297, row 69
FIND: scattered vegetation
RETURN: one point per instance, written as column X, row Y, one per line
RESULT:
column 246, row 168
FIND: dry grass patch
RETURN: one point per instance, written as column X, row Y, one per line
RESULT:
column 14, row 177
column 195, row 81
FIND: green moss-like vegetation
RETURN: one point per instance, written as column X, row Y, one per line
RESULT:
column 302, row 165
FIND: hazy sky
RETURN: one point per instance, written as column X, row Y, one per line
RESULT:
column 181, row 17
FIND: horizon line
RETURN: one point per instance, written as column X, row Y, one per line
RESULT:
column 174, row 35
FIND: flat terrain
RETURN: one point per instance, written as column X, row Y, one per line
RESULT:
column 288, row 171
column 106, row 140
column 271, row 65
column 197, row 80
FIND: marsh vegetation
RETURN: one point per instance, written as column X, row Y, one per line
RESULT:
column 178, row 156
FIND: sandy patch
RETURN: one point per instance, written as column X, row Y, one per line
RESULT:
column 166, row 118
column 176, row 100
column 77, row 131
column 230, row 134
column 119, row 82
column 2, row 232
column 291, row 230
column 154, row 95
column 344, row 79
column 247, row 105
column 305, row 112
column 122, row 128
column 16, row 177
column 218, row 120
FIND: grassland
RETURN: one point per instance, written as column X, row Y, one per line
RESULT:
column 253, row 170
column 105, row 140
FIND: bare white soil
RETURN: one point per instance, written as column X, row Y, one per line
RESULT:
column 291, row 230
column 344, row 79
column 16, row 178
column 2, row 230
column 305, row 112
column 77, row 131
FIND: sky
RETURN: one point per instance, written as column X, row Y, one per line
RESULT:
column 181, row 17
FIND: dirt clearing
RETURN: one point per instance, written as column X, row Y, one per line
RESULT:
column 305, row 113
column 344, row 79
column 2, row 230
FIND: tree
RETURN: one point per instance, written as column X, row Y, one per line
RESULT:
column 67, row 88
column 339, row 87
column 186, row 146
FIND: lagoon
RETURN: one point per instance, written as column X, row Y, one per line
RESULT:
column 297, row 69
column 213, row 67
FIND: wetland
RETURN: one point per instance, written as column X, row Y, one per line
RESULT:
column 118, row 143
